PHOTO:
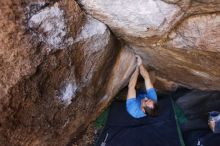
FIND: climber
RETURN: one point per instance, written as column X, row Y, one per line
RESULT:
column 137, row 105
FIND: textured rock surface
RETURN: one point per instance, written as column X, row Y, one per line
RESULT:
column 59, row 67
column 191, row 102
column 179, row 45
column 56, row 71
column 139, row 22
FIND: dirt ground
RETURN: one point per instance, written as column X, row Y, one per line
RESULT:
column 89, row 137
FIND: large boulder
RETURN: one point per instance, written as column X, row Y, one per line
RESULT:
column 137, row 22
column 59, row 69
column 191, row 103
column 179, row 45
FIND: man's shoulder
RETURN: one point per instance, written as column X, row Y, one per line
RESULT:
column 133, row 108
column 131, row 100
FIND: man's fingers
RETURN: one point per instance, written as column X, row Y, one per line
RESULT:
column 137, row 56
column 139, row 60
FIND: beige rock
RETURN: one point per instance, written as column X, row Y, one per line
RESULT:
column 179, row 45
column 164, row 85
column 118, row 78
column 56, row 64
column 204, row 6
column 59, row 68
column 138, row 22
column 195, row 47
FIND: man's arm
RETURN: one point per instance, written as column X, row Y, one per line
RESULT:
column 151, row 93
column 132, row 84
column 146, row 77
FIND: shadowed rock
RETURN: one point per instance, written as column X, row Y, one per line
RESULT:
column 196, row 105
column 179, row 47
column 51, row 89
column 60, row 67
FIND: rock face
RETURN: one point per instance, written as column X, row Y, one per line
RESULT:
column 179, row 45
column 60, row 67
column 191, row 102
column 139, row 22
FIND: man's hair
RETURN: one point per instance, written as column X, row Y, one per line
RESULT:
column 152, row 112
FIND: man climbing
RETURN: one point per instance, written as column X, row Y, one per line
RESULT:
column 142, row 104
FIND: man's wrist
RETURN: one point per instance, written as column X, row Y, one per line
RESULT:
column 146, row 77
column 130, row 86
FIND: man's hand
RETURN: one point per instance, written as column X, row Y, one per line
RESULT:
column 139, row 60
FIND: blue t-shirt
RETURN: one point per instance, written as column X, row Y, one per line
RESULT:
column 133, row 105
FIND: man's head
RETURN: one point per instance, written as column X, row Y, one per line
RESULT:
column 149, row 107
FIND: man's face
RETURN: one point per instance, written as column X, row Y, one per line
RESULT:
column 147, row 102
column 212, row 125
